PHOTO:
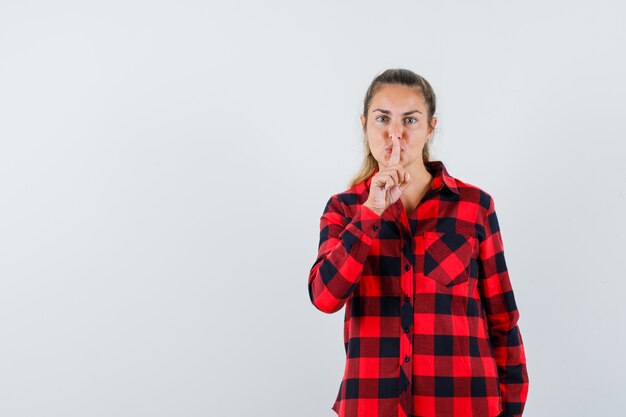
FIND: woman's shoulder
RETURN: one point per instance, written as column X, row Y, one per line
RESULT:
column 349, row 198
column 475, row 195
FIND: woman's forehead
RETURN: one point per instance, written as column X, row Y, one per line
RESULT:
column 398, row 98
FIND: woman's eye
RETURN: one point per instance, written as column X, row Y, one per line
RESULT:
column 411, row 120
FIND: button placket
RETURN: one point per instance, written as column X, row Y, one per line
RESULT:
column 406, row 310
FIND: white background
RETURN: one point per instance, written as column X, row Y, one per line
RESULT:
column 164, row 165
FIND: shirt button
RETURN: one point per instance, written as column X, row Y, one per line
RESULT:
column 407, row 358
column 407, row 267
column 407, row 299
column 375, row 227
column 406, row 330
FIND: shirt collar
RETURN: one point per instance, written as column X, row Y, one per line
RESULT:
column 441, row 177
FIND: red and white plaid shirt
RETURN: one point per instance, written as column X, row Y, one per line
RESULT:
column 430, row 320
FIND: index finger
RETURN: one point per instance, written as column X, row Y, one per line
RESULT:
column 395, row 151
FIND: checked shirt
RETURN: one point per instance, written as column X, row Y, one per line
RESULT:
column 431, row 323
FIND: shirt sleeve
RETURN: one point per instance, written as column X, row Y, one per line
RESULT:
column 344, row 244
column 502, row 317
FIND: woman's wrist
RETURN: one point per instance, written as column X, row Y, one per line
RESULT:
column 379, row 212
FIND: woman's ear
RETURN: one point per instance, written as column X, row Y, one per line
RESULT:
column 434, row 122
column 362, row 122
column 432, row 126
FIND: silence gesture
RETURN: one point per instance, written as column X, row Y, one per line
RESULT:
column 389, row 182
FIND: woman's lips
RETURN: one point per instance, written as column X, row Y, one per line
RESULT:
column 389, row 150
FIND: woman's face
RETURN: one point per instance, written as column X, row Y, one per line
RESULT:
column 400, row 111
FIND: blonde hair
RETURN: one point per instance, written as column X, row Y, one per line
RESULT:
column 393, row 76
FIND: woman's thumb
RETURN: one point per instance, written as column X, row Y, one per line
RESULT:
column 406, row 182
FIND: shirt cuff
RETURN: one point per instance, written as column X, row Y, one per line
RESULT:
column 367, row 221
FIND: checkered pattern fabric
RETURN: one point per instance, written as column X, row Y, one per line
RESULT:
column 430, row 323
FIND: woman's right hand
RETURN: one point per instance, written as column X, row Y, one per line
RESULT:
column 388, row 183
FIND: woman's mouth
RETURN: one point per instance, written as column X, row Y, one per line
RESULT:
column 390, row 149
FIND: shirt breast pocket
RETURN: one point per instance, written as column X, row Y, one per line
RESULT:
column 447, row 257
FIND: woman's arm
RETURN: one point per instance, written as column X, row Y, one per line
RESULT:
column 343, row 247
column 502, row 316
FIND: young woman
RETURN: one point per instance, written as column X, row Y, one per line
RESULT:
column 416, row 256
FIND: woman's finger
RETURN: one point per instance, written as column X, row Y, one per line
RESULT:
column 395, row 151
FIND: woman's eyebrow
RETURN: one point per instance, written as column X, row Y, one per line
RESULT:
column 404, row 114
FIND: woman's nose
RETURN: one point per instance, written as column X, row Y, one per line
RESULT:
column 396, row 134
column 395, row 130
